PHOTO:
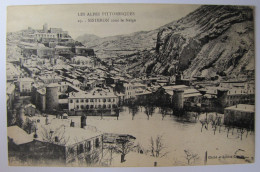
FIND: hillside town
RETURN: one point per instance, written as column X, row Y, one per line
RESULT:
column 60, row 97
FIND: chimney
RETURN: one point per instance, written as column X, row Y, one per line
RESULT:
column 46, row 121
column 35, row 134
column 56, row 139
column 72, row 124
column 83, row 121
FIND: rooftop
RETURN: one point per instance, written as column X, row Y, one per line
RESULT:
column 26, row 80
column 174, row 87
column 30, row 105
column 61, row 127
column 95, row 93
column 18, row 135
column 242, row 107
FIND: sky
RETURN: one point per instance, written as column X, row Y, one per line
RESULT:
column 146, row 16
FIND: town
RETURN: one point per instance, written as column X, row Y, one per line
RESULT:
column 57, row 89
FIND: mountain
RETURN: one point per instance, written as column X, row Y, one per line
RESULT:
column 120, row 45
column 212, row 40
column 86, row 38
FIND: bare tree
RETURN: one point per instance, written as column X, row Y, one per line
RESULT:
column 215, row 122
column 124, row 145
column 190, row 156
column 241, row 132
column 99, row 111
column 196, row 116
column 157, row 147
column 228, row 128
column 133, row 108
column 149, row 110
column 139, row 148
column 117, row 112
column 203, row 124
column 111, row 149
column 55, row 136
column 93, row 158
column 164, row 111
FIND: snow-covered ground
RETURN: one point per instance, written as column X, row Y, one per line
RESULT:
column 177, row 136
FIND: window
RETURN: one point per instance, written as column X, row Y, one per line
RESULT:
column 97, row 142
column 109, row 106
column 80, row 149
column 88, row 145
column 91, row 106
column 113, row 100
column 82, row 107
column 77, row 106
column 99, row 106
column 87, row 100
column 104, row 106
column 87, row 107
column 77, row 101
column 109, row 100
column 104, row 100
column 71, row 101
column 91, row 100
column 82, row 100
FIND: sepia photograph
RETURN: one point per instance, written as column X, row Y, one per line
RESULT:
column 130, row 85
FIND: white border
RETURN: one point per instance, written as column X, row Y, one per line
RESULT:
column 3, row 132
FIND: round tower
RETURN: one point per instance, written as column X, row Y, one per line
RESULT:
column 178, row 99
column 83, row 121
column 52, row 99
column 222, row 97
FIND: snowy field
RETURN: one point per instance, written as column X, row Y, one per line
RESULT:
column 177, row 136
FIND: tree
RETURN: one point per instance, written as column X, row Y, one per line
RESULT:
column 100, row 111
column 228, row 128
column 55, row 136
column 157, row 147
column 93, row 158
column 117, row 112
column 111, row 148
column 164, row 111
column 204, row 123
column 149, row 110
column 133, row 108
column 214, row 125
column 241, row 132
column 215, row 122
column 196, row 116
column 124, row 145
column 190, row 156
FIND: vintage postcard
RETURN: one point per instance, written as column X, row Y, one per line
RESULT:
column 130, row 85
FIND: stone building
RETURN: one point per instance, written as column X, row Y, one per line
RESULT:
column 240, row 115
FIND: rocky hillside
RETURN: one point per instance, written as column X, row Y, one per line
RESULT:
column 212, row 40
column 87, row 38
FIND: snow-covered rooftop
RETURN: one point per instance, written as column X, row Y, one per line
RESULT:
column 242, row 107
column 18, row 135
